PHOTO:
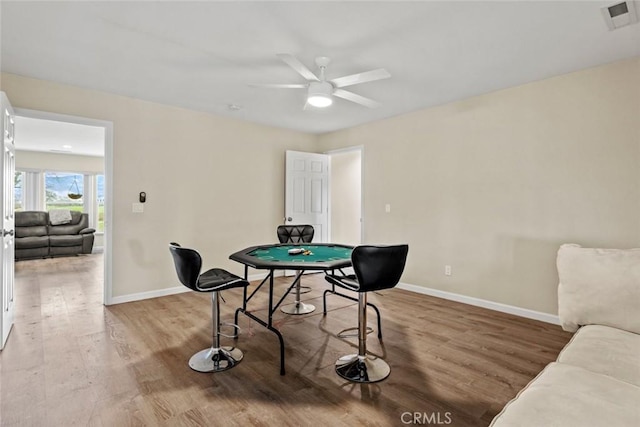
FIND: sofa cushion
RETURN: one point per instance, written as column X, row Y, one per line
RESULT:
column 68, row 240
column 58, row 230
column 64, row 250
column 565, row 396
column 76, row 217
column 32, row 242
column 31, row 223
column 79, row 221
column 30, row 218
column 599, row 287
column 32, row 253
column 605, row 350
column 30, row 231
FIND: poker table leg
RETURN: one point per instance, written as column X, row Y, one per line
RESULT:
column 269, row 323
column 244, row 302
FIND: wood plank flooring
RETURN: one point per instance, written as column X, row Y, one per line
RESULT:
column 72, row 361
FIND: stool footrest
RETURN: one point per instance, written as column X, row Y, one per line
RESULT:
column 345, row 333
column 233, row 325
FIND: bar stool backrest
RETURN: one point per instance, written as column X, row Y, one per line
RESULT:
column 378, row 267
column 188, row 263
column 295, row 233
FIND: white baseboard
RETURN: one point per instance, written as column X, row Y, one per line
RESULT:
column 169, row 291
column 491, row 305
column 147, row 295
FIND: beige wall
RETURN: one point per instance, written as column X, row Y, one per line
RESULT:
column 58, row 162
column 212, row 183
column 494, row 184
column 346, row 189
column 491, row 185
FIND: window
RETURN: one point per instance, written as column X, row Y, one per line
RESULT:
column 18, row 182
column 63, row 190
column 45, row 190
column 100, row 200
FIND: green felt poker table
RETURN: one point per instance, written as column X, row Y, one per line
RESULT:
column 317, row 256
column 286, row 256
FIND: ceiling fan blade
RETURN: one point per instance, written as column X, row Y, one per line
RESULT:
column 280, row 86
column 298, row 66
column 354, row 97
column 367, row 76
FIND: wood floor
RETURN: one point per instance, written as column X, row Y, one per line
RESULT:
column 72, row 361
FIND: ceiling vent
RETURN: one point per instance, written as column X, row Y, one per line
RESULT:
column 620, row 15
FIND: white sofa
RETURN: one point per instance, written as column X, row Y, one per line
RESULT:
column 596, row 378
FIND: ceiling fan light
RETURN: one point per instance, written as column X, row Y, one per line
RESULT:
column 320, row 101
column 320, row 94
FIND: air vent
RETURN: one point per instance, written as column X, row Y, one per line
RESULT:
column 620, row 15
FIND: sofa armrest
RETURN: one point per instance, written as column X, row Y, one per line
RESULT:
column 87, row 231
column 87, row 241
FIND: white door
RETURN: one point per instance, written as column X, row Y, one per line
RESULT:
column 307, row 192
column 7, row 173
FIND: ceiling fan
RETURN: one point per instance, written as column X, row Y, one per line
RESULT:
column 320, row 91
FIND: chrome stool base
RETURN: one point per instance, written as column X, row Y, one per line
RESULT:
column 362, row 369
column 215, row 359
column 298, row 308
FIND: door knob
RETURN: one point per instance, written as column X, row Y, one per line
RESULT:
column 5, row 232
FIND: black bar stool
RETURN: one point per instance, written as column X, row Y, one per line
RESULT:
column 376, row 268
column 188, row 263
column 297, row 234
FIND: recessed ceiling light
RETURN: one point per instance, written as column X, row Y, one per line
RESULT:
column 67, row 146
column 234, row 107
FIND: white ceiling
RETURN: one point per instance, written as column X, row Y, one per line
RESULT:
column 204, row 55
column 59, row 137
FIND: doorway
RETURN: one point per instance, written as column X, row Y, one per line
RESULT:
column 92, row 207
column 325, row 190
column 346, row 206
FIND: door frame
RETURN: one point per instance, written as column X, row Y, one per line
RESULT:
column 359, row 148
column 108, row 182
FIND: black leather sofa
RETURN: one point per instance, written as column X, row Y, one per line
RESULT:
column 36, row 237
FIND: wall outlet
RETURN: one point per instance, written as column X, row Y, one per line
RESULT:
column 447, row 270
column 387, row 208
column 137, row 208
